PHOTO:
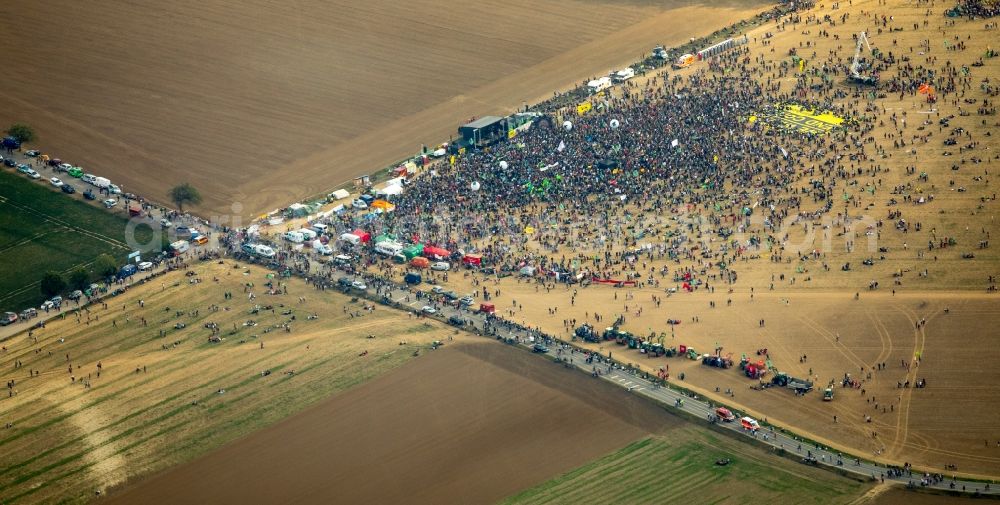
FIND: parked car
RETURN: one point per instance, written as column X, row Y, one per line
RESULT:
column 29, row 313
column 437, row 290
column 8, row 318
column 66, row 188
column 10, row 163
column 456, row 321
column 75, row 172
column 539, row 348
column 441, row 266
column 344, row 281
column 359, row 285
column 55, row 182
column 89, row 195
column 166, row 223
column 75, row 295
column 114, row 189
column 33, row 174
column 62, row 167
column 32, row 153
column 23, row 168
column 110, row 202
column 466, row 301
column 145, row 265
column 359, row 204
column 427, row 309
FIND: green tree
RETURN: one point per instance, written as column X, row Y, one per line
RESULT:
column 105, row 266
column 52, row 284
column 185, row 193
column 79, row 278
column 22, row 132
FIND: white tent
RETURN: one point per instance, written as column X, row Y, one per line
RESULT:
column 393, row 190
column 340, row 194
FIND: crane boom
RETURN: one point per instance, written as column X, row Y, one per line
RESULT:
column 855, row 70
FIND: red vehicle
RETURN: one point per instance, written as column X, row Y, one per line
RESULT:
column 487, row 308
column 436, row 252
column 749, row 424
column 134, row 210
column 363, row 235
column 472, row 260
column 725, row 414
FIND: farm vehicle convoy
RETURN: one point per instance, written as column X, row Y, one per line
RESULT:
column 653, row 347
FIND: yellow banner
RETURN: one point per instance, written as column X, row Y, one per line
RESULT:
column 511, row 134
column 583, row 108
column 452, row 160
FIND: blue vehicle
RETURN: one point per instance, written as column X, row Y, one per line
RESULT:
column 127, row 271
column 11, row 143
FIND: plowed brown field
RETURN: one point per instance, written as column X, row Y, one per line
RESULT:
column 471, row 423
column 261, row 102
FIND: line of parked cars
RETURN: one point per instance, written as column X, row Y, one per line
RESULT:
column 59, row 166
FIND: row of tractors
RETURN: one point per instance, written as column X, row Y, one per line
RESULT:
column 653, row 347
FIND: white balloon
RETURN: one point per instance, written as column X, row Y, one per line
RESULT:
column 615, row 123
column 567, row 125
column 474, row 186
column 503, row 165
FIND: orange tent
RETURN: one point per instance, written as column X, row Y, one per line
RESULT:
column 384, row 205
column 420, row 262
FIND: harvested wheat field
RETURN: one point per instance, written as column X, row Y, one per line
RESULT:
column 261, row 103
column 469, row 423
column 99, row 401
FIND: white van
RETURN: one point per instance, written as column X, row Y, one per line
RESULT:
column 101, row 182
column 389, row 248
column 351, row 238
column 294, row 237
column 320, row 228
column 342, row 259
column 598, row 85
column 623, row 74
column 263, row 251
column 307, row 233
column 88, row 178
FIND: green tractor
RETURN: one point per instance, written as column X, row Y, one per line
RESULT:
column 828, row 395
column 693, row 354
column 670, row 352
column 656, row 350
column 634, row 342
